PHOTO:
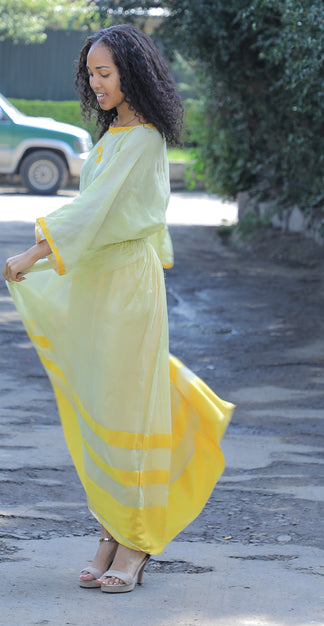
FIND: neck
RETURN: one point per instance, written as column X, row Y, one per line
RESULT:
column 127, row 116
column 125, row 121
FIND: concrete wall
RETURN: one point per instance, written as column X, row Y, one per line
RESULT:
column 288, row 219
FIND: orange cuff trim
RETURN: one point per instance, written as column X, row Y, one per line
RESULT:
column 55, row 258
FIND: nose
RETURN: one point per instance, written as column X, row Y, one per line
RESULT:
column 94, row 82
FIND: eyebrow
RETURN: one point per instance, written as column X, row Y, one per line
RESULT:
column 99, row 67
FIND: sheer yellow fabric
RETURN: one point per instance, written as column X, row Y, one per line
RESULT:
column 142, row 430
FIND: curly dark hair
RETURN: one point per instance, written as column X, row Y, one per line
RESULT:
column 145, row 81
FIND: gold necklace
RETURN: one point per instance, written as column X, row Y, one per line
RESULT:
column 115, row 122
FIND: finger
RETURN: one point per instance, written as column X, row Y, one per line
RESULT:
column 5, row 270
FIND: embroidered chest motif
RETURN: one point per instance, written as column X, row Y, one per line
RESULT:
column 99, row 154
column 100, row 150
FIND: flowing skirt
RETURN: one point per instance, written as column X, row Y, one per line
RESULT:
column 143, row 431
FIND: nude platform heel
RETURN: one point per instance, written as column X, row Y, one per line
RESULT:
column 96, row 573
column 129, row 581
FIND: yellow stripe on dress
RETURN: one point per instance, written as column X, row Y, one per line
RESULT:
column 112, row 437
column 96, row 473
column 40, row 341
column 134, row 478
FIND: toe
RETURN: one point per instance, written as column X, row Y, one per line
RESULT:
column 111, row 580
column 86, row 576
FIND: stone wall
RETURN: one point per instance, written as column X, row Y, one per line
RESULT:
column 177, row 175
column 288, row 219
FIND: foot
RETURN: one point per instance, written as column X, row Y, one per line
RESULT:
column 126, row 560
column 102, row 558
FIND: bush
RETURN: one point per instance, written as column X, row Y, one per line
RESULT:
column 67, row 111
column 261, row 73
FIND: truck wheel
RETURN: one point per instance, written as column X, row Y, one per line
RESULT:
column 44, row 172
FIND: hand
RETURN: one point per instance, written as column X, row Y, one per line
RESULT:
column 16, row 266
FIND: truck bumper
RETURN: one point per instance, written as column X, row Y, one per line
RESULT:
column 76, row 162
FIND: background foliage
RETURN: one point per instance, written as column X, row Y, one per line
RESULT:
column 262, row 111
column 253, row 86
column 27, row 20
column 258, row 124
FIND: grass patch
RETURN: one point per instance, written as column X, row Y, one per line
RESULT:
column 179, row 155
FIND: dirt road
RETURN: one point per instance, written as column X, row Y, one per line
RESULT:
column 251, row 325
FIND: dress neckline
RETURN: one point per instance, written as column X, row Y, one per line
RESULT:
column 120, row 129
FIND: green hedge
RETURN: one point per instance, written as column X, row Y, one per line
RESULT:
column 68, row 112
column 259, row 125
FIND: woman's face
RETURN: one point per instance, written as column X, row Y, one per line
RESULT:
column 104, row 77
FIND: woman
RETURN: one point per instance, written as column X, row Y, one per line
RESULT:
column 142, row 430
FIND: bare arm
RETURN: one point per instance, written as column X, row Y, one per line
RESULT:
column 16, row 266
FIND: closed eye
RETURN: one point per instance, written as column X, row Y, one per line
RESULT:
column 101, row 75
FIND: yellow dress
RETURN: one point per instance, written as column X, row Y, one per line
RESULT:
column 143, row 431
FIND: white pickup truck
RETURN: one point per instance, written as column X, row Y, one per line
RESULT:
column 43, row 152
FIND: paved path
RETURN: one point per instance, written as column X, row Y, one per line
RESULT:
column 184, row 208
column 253, row 329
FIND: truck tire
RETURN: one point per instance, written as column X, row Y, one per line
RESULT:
column 44, row 172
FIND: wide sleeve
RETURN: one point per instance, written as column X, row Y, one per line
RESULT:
column 161, row 242
column 89, row 222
